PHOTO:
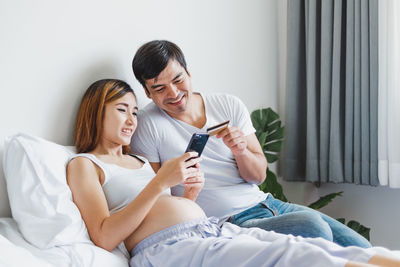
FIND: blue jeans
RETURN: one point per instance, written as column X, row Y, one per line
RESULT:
column 287, row 218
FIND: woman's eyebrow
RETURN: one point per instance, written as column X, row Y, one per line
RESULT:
column 127, row 105
column 123, row 104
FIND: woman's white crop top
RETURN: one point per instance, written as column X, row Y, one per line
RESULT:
column 122, row 185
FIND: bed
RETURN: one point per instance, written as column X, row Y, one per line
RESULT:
column 46, row 228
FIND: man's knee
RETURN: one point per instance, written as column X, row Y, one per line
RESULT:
column 306, row 223
column 313, row 225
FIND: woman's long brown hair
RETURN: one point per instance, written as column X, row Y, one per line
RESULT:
column 89, row 120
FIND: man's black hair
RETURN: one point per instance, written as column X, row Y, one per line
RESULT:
column 152, row 58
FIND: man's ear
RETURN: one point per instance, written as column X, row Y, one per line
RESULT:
column 147, row 92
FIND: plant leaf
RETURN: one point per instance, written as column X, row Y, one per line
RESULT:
column 271, row 157
column 359, row 228
column 269, row 132
column 270, row 135
column 261, row 118
column 272, row 115
column 275, row 146
column 271, row 185
column 261, row 138
column 256, row 120
column 278, row 134
column 356, row 226
column 273, row 126
column 342, row 220
column 323, row 201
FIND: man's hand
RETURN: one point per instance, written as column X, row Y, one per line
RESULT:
column 247, row 152
column 193, row 185
column 234, row 138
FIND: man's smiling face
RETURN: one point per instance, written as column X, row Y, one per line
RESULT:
column 171, row 90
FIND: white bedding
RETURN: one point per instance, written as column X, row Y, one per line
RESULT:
column 16, row 251
column 47, row 228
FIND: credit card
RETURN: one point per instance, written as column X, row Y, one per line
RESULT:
column 213, row 130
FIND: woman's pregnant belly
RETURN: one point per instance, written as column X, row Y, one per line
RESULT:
column 167, row 211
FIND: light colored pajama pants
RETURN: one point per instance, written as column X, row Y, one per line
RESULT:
column 202, row 242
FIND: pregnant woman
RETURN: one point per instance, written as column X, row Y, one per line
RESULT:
column 121, row 199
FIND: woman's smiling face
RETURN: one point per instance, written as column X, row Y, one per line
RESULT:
column 120, row 120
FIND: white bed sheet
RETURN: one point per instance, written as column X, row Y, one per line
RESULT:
column 16, row 251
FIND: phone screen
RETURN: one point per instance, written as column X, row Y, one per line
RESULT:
column 197, row 142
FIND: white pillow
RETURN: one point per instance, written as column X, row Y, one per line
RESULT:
column 40, row 199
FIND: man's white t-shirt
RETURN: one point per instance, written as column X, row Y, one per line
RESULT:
column 160, row 137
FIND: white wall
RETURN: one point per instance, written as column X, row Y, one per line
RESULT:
column 50, row 51
column 375, row 207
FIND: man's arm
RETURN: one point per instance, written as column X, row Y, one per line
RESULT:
column 248, row 154
column 252, row 163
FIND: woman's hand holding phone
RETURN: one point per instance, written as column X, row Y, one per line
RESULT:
column 197, row 143
column 193, row 185
column 176, row 171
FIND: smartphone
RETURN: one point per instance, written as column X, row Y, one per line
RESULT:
column 197, row 143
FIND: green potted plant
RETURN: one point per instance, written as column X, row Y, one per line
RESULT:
column 270, row 134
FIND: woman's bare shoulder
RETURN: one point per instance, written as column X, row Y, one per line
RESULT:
column 81, row 167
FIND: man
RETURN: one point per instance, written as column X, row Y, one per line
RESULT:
column 233, row 162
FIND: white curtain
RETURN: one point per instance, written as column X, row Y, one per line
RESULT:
column 389, row 94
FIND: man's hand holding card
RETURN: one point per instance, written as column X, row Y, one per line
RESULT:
column 232, row 137
column 214, row 130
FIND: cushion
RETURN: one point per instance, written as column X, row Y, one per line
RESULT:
column 40, row 199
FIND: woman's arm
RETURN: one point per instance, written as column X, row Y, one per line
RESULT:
column 104, row 230
column 108, row 231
